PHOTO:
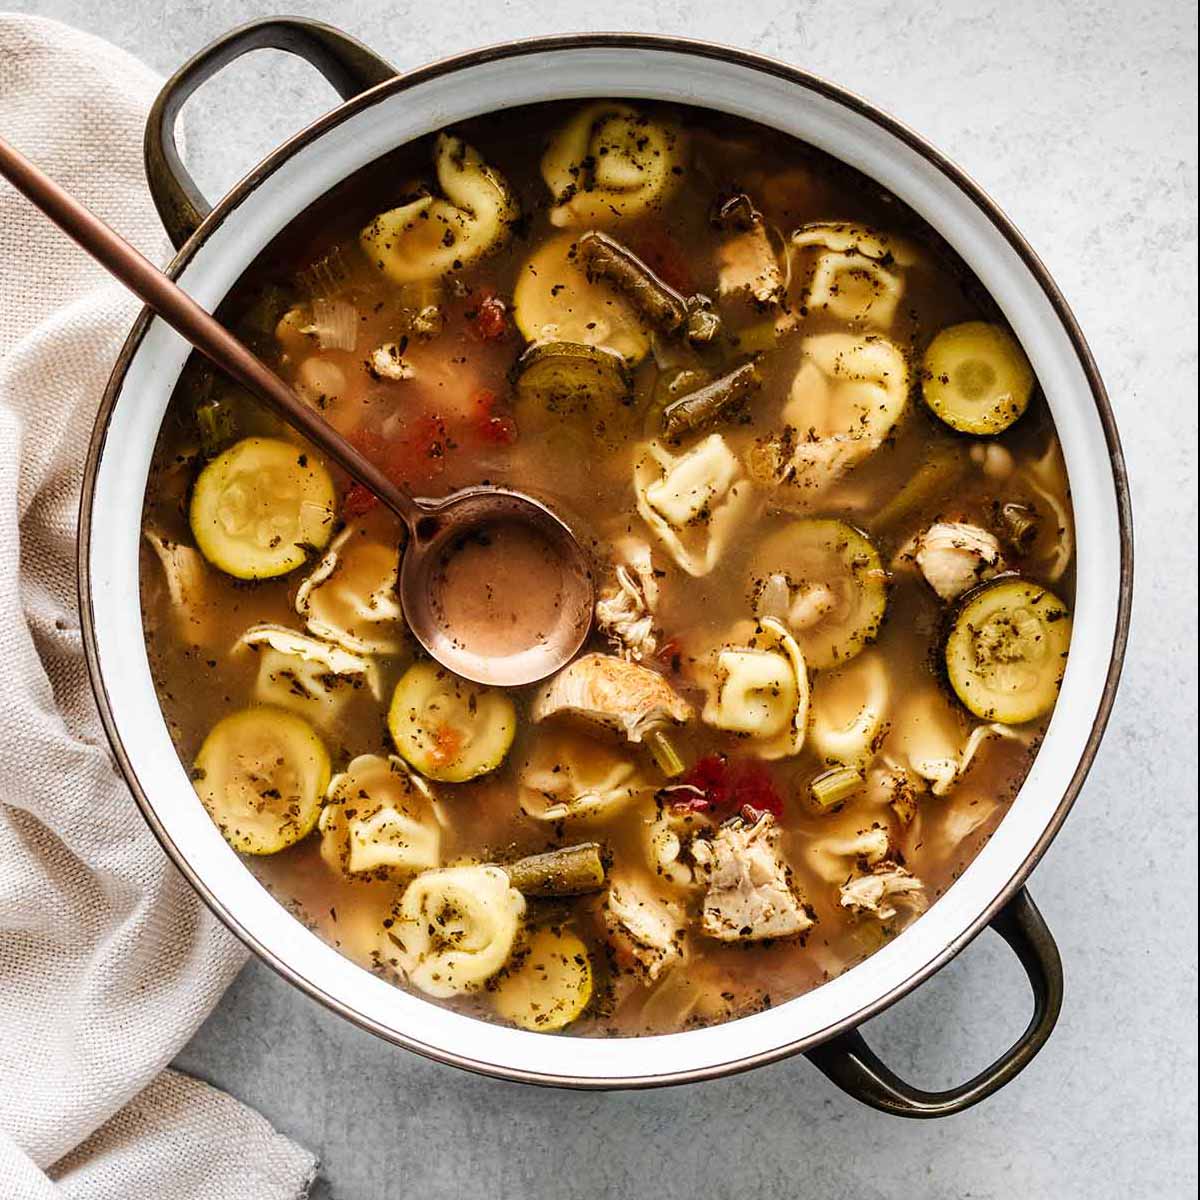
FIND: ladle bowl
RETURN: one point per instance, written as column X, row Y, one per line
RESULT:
column 561, row 619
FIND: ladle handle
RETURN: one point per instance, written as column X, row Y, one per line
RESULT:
column 203, row 331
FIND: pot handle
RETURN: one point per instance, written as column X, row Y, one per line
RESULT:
column 852, row 1065
column 348, row 65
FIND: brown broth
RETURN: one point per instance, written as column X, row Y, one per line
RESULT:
column 452, row 424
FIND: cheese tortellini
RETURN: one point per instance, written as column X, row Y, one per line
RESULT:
column 576, row 777
column 379, row 817
column 853, row 276
column 307, row 675
column 454, row 928
column 610, row 161
column 350, row 598
column 848, row 711
column 846, row 398
column 760, row 689
column 931, row 738
column 432, row 235
column 692, row 501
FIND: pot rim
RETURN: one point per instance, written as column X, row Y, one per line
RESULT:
column 514, row 50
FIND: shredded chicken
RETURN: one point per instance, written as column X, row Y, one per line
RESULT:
column 605, row 690
column 750, row 895
column 646, row 931
column 954, row 556
column 884, row 892
column 747, row 263
column 187, row 586
column 387, row 362
column 625, row 609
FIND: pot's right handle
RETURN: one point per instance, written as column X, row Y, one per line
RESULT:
column 348, row 65
column 853, row 1066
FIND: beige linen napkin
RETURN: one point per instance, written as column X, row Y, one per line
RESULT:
column 108, row 961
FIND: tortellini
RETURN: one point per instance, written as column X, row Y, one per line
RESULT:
column 693, row 501
column 930, row 736
column 851, row 841
column 577, row 777
column 667, row 832
column 433, row 235
column 848, row 711
column 648, row 929
column 849, row 393
column 305, row 674
column 454, row 928
column 1047, row 477
column 610, row 161
column 760, row 690
column 350, row 598
column 853, row 277
column 379, row 817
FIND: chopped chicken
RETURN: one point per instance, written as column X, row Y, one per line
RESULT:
column 884, row 891
column 750, row 896
column 747, row 263
column 605, row 690
column 646, row 932
column 954, row 556
column 185, row 573
column 388, row 362
column 625, row 609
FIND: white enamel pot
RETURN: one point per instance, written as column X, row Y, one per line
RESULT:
column 382, row 111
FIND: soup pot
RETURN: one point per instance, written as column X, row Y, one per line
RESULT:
column 383, row 110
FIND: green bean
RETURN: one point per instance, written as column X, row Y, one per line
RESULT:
column 1020, row 525
column 934, row 476
column 606, row 258
column 567, row 871
column 708, row 403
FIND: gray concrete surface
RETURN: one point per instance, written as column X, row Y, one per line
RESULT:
column 1081, row 120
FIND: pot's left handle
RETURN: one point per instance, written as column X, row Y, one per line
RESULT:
column 348, row 65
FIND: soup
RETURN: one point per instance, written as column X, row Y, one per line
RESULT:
column 830, row 526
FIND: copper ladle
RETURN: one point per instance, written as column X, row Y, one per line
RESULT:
column 436, row 528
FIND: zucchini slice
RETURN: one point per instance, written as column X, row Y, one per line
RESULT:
column 259, row 509
column 262, row 774
column 565, row 380
column 1007, row 650
column 977, row 378
column 555, row 301
column 549, row 985
column 447, row 728
column 825, row 581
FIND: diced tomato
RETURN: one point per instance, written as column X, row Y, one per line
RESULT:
column 489, row 317
column 359, row 499
column 660, row 251
column 414, row 457
column 722, row 785
column 491, row 422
